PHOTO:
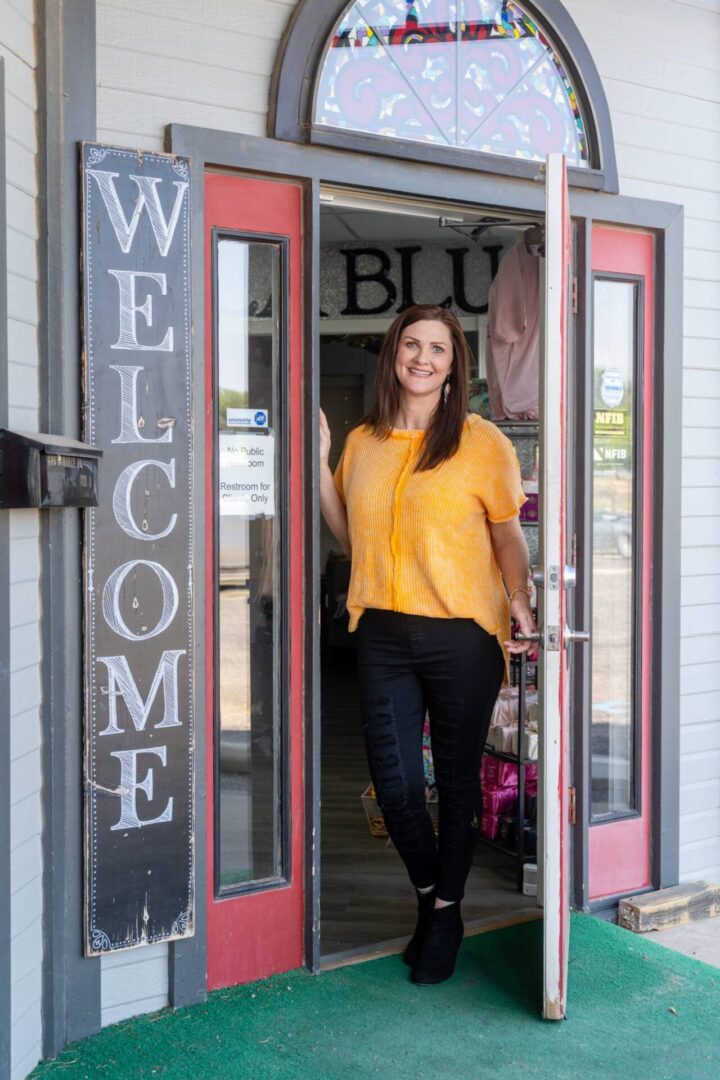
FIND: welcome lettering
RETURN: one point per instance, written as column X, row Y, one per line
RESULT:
column 139, row 550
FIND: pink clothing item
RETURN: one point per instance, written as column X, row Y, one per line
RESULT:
column 499, row 801
column 512, row 351
column 495, row 773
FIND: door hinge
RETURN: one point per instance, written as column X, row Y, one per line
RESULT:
column 574, row 296
column 572, row 806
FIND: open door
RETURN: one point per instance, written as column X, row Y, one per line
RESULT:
column 554, row 575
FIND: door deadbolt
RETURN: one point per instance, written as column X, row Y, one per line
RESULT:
column 575, row 637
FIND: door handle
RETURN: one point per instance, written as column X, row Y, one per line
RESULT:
column 569, row 577
column 570, row 637
column 548, row 638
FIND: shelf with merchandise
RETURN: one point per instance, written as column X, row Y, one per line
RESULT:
column 525, row 438
column 519, row 667
column 524, row 428
column 502, row 756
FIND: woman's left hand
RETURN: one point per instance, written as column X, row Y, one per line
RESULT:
column 522, row 613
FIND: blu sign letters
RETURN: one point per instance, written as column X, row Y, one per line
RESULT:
column 138, row 550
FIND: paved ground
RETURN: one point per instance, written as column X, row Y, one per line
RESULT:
column 700, row 940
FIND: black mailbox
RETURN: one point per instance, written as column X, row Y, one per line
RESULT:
column 46, row 470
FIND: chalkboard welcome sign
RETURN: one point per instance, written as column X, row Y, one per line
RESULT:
column 138, row 550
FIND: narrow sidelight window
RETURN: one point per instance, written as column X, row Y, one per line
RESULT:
column 250, row 742
column 616, row 548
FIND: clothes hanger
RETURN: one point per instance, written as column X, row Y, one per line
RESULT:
column 481, row 225
column 534, row 238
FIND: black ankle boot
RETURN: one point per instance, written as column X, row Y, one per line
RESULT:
column 426, row 902
column 439, row 949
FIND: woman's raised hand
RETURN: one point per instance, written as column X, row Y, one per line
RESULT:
column 325, row 439
column 332, row 506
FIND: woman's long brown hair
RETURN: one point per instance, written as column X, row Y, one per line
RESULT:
column 442, row 437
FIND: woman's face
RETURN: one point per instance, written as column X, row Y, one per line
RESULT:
column 424, row 358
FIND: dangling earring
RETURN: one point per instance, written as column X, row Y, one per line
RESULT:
column 446, row 391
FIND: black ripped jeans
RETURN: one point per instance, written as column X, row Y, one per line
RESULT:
column 454, row 669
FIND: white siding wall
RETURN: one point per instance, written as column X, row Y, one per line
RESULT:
column 134, row 981
column 17, row 47
column 664, row 94
column 205, row 62
column 208, row 62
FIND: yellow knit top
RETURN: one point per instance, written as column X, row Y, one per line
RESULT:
column 420, row 540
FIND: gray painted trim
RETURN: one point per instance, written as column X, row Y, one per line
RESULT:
column 607, row 906
column 582, row 598
column 5, row 848
column 410, row 178
column 311, row 404
column 608, row 913
column 458, row 158
column 66, row 51
column 667, row 498
column 298, row 56
column 589, row 85
column 229, row 150
column 187, row 971
column 300, row 53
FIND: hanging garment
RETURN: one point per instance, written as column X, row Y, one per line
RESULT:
column 513, row 338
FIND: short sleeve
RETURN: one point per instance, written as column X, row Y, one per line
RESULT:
column 501, row 492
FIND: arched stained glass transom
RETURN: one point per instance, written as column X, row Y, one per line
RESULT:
column 474, row 74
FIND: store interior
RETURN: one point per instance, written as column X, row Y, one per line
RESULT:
column 378, row 256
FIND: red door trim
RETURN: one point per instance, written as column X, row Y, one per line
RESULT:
column 619, row 851
column 258, row 934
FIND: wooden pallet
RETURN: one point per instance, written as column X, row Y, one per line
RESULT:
column 674, row 906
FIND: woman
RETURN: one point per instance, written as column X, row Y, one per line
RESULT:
column 426, row 499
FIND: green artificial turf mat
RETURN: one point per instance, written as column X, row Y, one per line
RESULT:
column 636, row 1010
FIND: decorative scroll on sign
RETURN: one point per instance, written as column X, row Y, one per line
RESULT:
column 138, row 551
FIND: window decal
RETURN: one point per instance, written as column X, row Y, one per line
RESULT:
column 474, row 74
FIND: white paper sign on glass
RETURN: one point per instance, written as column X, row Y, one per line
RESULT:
column 246, row 475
